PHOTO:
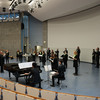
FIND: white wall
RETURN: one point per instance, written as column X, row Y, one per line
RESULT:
column 82, row 29
column 35, row 27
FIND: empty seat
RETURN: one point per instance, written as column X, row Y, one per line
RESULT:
column 65, row 96
column 10, row 85
column 20, row 88
column 24, row 97
column 48, row 95
column 85, row 98
column 8, row 95
column 33, row 91
column 2, row 82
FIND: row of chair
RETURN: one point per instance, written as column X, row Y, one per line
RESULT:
column 44, row 94
column 6, row 94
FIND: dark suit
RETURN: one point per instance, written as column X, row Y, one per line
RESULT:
column 43, row 60
column 57, row 53
column 7, row 57
column 97, row 58
column 40, row 58
column 93, row 57
column 20, row 56
column 65, row 59
column 48, row 54
column 55, row 64
column 61, row 70
column 1, row 62
column 35, row 77
column 75, row 64
column 33, row 56
column 78, row 55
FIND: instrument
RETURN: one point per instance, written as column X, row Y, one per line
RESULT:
column 14, row 69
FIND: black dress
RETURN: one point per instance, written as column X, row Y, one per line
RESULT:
column 75, row 64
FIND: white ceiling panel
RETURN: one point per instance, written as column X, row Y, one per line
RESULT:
column 51, row 8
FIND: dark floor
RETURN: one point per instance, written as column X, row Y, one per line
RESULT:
column 86, row 83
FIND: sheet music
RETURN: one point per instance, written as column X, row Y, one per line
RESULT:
column 40, row 55
column 51, row 60
column 25, row 65
column 47, row 68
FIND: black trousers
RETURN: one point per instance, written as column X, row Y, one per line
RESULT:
column 53, row 79
column 2, row 70
column 7, row 60
column 97, row 63
column 76, row 70
column 65, row 64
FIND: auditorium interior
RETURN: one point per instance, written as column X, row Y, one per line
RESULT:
column 39, row 31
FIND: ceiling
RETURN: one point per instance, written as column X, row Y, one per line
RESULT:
column 50, row 8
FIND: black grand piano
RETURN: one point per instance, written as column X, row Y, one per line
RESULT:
column 16, row 71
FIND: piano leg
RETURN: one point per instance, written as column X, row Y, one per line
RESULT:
column 9, row 75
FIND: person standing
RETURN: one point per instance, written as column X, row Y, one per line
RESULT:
column 20, row 56
column 7, row 56
column 97, row 57
column 55, row 63
column 48, row 53
column 57, row 53
column 17, row 55
column 34, row 56
column 40, row 56
column 66, row 50
column 65, row 59
column 43, row 59
column 78, row 54
column 75, row 63
column 2, row 61
column 93, row 56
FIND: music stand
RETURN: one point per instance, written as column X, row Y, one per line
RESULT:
column 47, row 69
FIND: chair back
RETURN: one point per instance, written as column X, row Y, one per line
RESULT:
column 85, row 98
column 33, row 91
column 64, row 96
column 8, row 95
column 10, row 85
column 24, row 97
column 2, row 82
column 48, row 95
column 20, row 88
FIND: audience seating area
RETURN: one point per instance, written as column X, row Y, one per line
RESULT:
column 15, row 91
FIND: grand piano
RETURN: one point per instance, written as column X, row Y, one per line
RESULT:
column 16, row 71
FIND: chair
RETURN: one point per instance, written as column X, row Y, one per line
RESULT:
column 32, row 91
column 85, row 98
column 24, row 97
column 2, row 82
column 8, row 95
column 48, row 95
column 65, row 96
column 10, row 85
column 20, row 88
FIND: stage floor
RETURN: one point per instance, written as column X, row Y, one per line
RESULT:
column 86, row 83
